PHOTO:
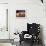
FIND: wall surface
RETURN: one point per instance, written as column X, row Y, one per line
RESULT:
column 3, row 1
column 3, row 18
column 3, row 34
column 3, row 21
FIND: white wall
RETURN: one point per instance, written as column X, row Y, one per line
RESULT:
column 3, row 9
column 35, row 12
column 3, row 21
column 3, row 1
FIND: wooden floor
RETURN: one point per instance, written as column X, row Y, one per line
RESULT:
column 6, row 44
column 27, row 44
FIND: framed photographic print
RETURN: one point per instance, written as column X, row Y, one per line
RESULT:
column 20, row 13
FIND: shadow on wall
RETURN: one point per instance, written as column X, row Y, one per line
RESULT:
column 41, row 34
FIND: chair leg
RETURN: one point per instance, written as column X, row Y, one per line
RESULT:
column 20, row 42
column 32, row 43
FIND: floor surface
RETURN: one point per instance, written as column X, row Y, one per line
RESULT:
column 5, row 44
column 22, row 44
column 27, row 44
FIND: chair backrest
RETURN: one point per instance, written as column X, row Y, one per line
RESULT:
column 33, row 28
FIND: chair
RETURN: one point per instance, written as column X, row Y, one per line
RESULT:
column 33, row 30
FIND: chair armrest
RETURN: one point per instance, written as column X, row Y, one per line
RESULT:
column 24, row 32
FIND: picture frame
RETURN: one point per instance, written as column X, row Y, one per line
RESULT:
column 20, row 13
